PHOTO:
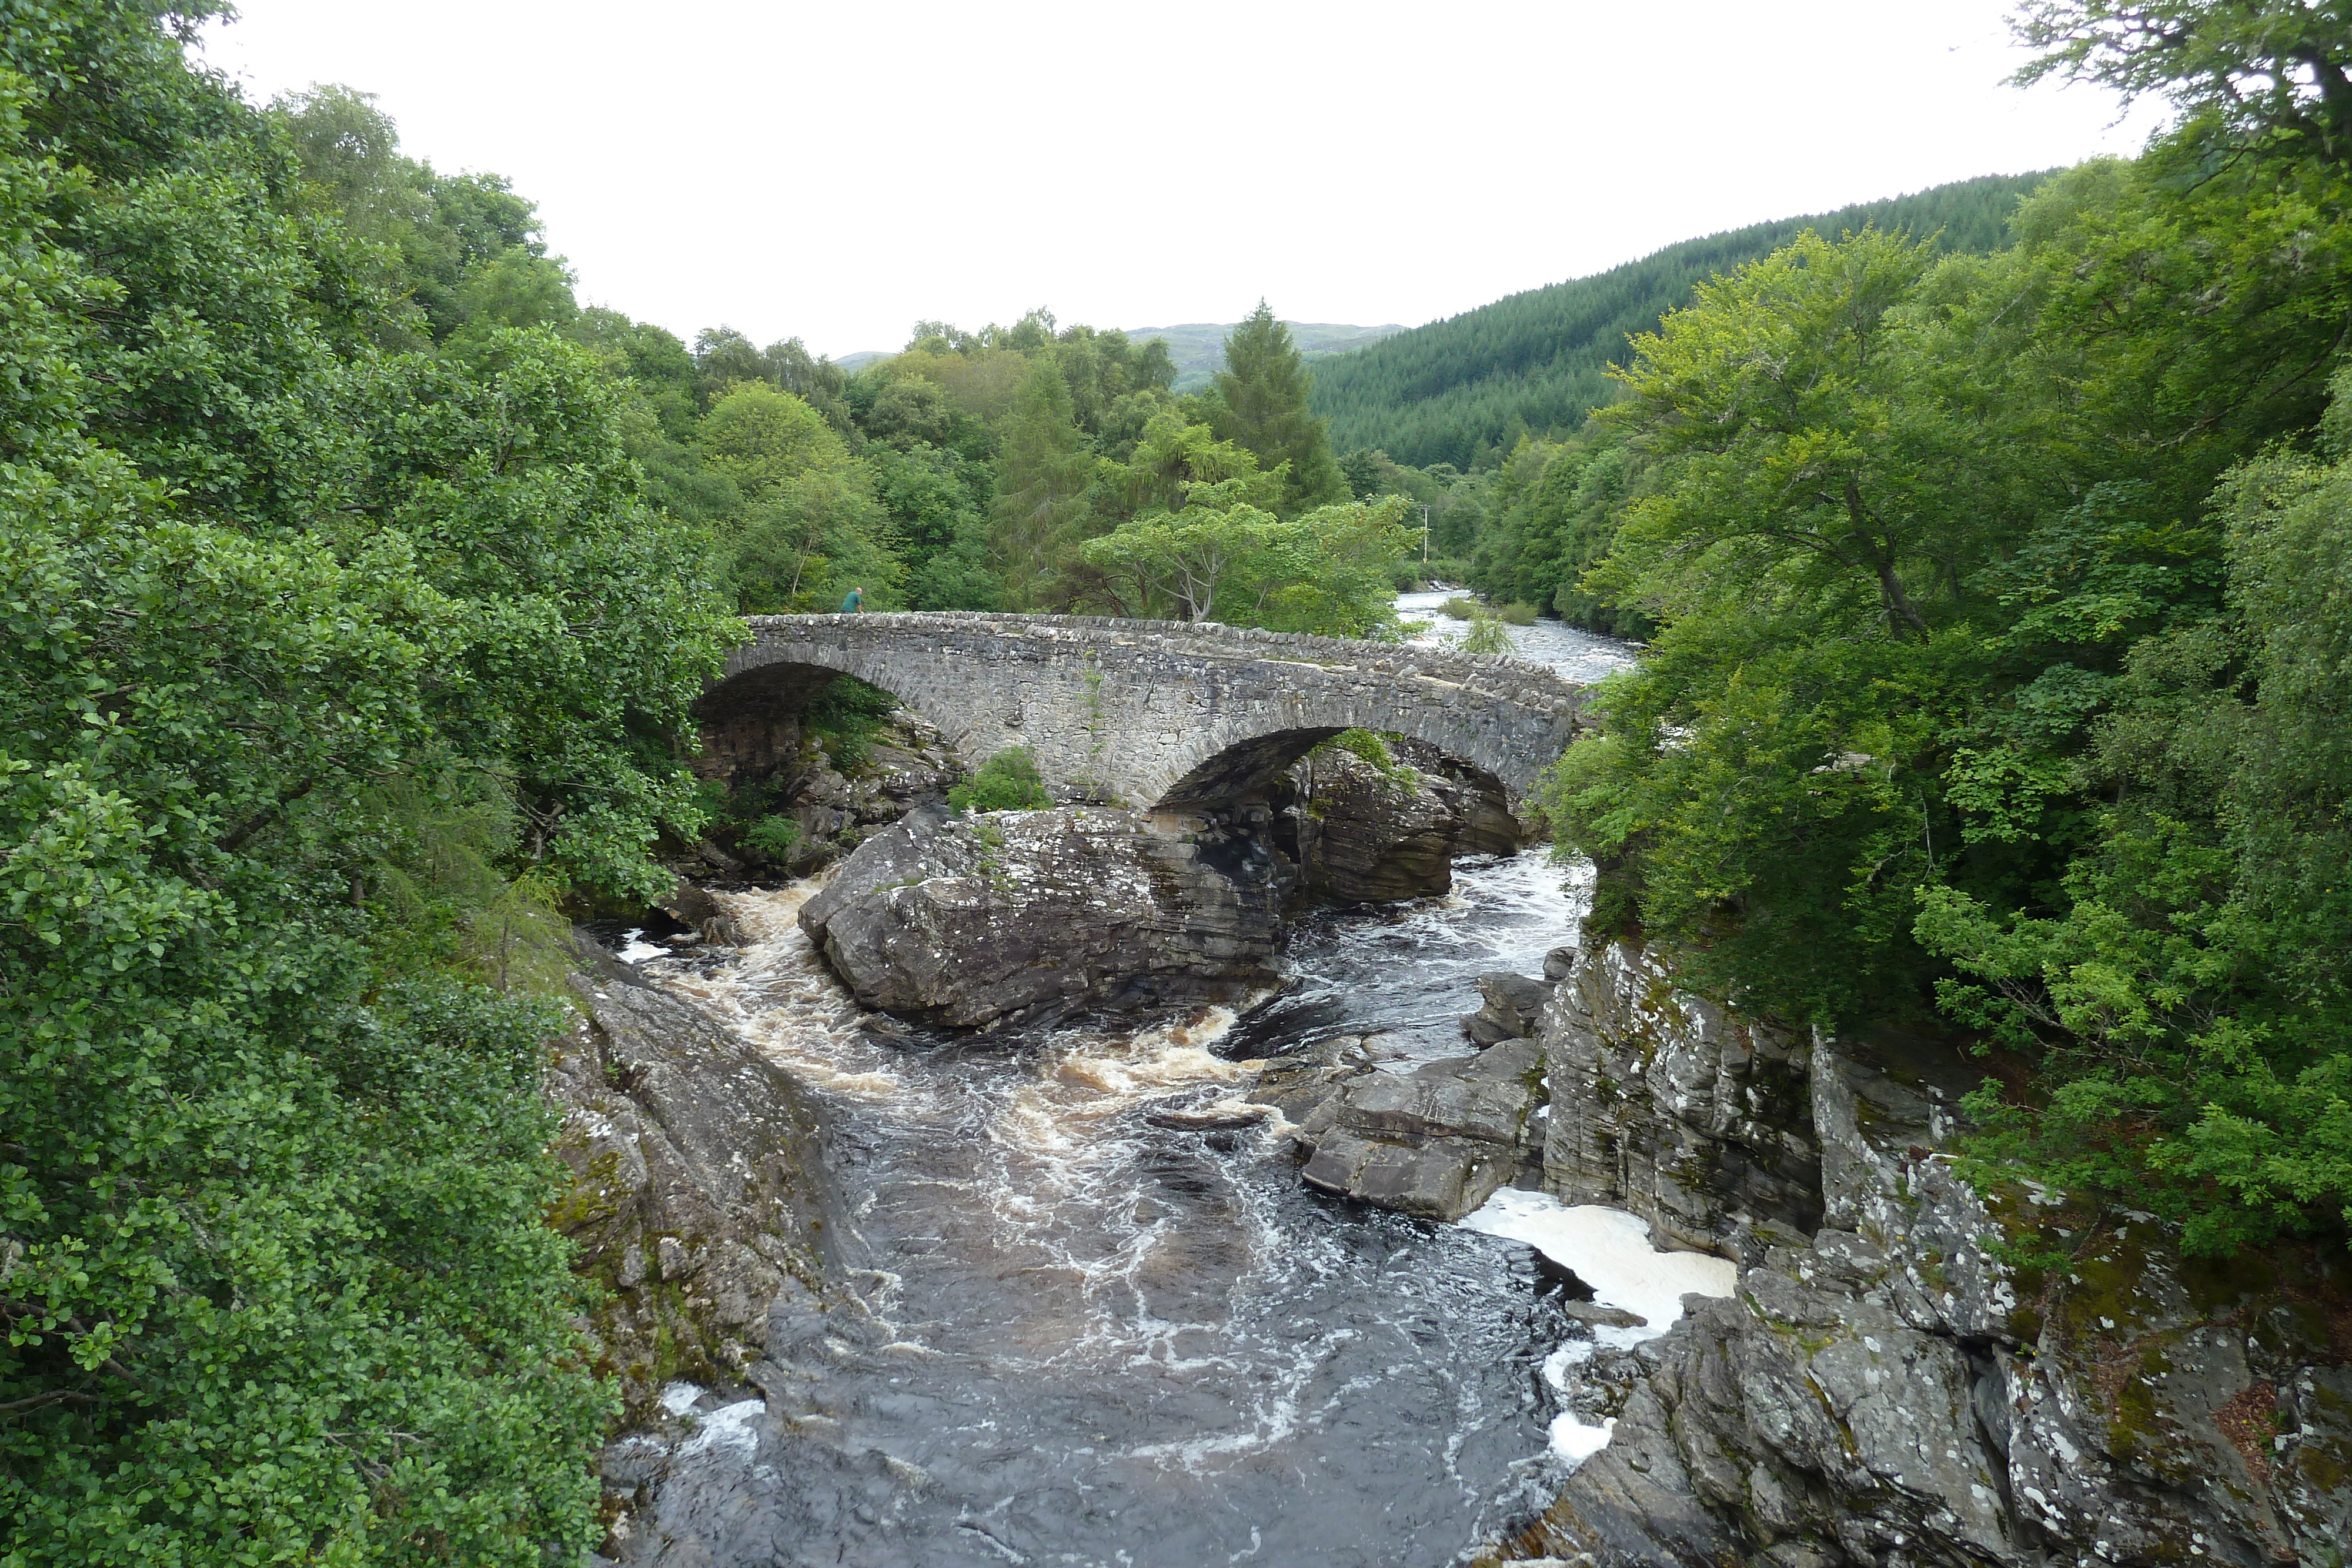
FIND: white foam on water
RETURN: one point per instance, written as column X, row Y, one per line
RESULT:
column 635, row 949
column 727, row 1430
column 1039, row 1169
column 780, row 995
column 1610, row 1250
column 1575, row 1442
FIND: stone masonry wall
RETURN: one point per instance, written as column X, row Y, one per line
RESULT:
column 1167, row 715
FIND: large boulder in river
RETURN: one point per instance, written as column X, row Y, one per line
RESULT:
column 1483, row 822
column 1023, row 915
column 1513, row 1003
column 1434, row 1143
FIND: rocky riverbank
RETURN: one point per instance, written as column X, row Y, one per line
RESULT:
column 697, row 1199
column 1911, row 1371
column 836, row 789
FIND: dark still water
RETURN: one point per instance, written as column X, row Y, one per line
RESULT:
column 1094, row 1339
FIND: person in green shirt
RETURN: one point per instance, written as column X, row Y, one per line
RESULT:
column 853, row 602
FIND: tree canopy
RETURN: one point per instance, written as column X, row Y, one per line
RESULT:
column 338, row 644
column 1997, row 666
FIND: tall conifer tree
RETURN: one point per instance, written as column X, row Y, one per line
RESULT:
column 1264, row 386
column 1045, row 472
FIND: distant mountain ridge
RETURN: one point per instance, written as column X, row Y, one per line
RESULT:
column 1539, row 361
column 1199, row 347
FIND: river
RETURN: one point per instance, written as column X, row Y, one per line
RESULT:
column 1100, row 1340
column 1578, row 655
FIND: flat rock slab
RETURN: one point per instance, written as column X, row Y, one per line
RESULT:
column 1435, row 1143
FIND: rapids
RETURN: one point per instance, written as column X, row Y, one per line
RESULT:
column 1112, row 1342
column 1101, row 1339
column 1578, row 655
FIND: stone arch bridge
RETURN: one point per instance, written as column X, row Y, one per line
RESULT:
column 1175, row 716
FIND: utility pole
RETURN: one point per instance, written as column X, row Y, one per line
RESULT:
column 1425, row 533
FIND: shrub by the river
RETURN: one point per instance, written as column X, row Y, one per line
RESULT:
column 1486, row 634
column 1007, row 781
column 773, row 837
column 842, row 718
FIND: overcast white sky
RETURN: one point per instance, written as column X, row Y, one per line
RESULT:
column 838, row 171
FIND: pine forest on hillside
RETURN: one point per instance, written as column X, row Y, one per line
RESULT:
column 1534, row 364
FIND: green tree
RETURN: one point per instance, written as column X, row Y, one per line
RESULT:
column 1362, row 471
column 1045, row 475
column 1588, row 528
column 1330, row 571
column 515, row 289
column 593, row 621
column 434, row 231
column 1185, row 558
column 1173, row 456
column 808, row 527
column 1998, row 616
column 1264, row 390
column 938, row 503
column 286, row 619
column 1764, row 790
column 2187, row 998
column 2270, row 72
column 725, row 358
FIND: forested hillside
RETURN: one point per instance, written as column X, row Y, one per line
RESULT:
column 1461, row 389
column 2002, row 610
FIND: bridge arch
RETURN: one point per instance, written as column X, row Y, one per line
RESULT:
column 1181, row 718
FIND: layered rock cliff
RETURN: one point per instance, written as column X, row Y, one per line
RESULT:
column 696, row 1199
column 1913, row 1371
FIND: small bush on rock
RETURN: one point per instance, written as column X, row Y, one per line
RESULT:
column 773, row 837
column 1372, row 750
column 1007, row 781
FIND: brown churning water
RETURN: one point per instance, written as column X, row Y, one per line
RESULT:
column 1100, row 1339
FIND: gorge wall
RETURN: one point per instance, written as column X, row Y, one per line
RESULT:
column 1913, row 1371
